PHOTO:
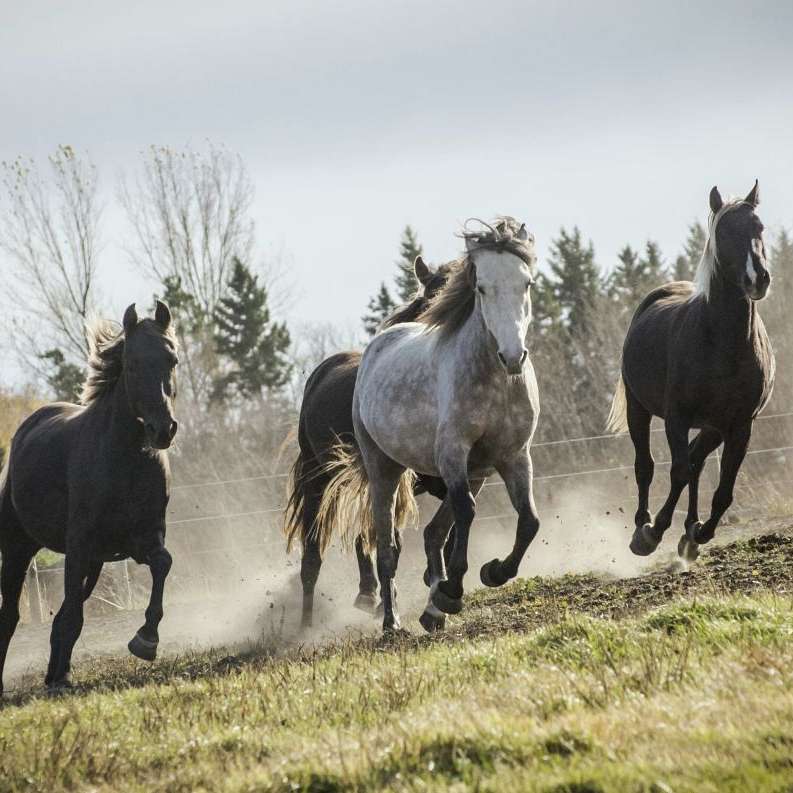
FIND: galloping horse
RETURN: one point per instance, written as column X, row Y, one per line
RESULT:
column 325, row 419
column 92, row 481
column 452, row 396
column 697, row 355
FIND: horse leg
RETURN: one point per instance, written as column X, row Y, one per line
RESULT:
column 517, row 476
column 735, row 445
column 639, row 428
column 15, row 562
column 699, row 449
column 310, row 565
column 436, row 541
column 383, row 486
column 144, row 643
column 647, row 537
column 366, row 599
column 68, row 623
column 447, row 595
column 94, row 569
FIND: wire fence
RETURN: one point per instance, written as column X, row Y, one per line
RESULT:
column 221, row 529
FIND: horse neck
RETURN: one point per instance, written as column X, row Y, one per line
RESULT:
column 732, row 314
column 125, row 429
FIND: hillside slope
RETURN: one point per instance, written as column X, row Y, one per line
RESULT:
column 678, row 682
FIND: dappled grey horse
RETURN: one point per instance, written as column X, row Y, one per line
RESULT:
column 92, row 481
column 697, row 355
column 453, row 396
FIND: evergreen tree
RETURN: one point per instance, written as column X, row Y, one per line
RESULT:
column 254, row 346
column 624, row 277
column 635, row 276
column 686, row 263
column 576, row 279
column 64, row 378
column 405, row 278
column 184, row 307
column 379, row 307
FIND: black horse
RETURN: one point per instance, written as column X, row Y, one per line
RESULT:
column 326, row 418
column 698, row 356
column 92, row 481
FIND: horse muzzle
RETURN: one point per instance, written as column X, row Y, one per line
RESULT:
column 758, row 288
column 160, row 436
column 513, row 364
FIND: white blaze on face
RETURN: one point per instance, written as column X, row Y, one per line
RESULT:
column 755, row 250
column 502, row 283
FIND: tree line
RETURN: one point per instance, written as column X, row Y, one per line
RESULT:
column 190, row 232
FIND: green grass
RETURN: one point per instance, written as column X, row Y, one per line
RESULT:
column 694, row 696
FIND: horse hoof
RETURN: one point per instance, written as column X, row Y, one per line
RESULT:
column 57, row 687
column 704, row 534
column 378, row 611
column 366, row 601
column 142, row 648
column 432, row 622
column 644, row 541
column 393, row 627
column 448, row 605
column 492, row 574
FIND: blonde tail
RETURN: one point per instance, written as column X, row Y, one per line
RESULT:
column 618, row 416
column 346, row 502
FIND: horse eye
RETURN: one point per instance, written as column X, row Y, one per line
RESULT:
column 480, row 289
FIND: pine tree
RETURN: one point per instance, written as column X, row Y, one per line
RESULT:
column 254, row 346
column 686, row 263
column 405, row 278
column 623, row 278
column 576, row 279
column 185, row 309
column 64, row 378
column 379, row 307
column 654, row 272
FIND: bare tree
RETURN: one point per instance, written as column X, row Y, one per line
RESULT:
column 189, row 212
column 49, row 231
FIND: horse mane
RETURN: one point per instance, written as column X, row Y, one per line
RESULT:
column 106, row 357
column 706, row 269
column 450, row 308
column 105, row 360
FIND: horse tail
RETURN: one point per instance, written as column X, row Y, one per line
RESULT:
column 295, row 513
column 618, row 415
column 346, row 501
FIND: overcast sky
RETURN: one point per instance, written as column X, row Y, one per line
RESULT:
column 357, row 117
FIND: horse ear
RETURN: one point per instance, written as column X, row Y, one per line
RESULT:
column 422, row 271
column 471, row 243
column 753, row 199
column 716, row 202
column 523, row 235
column 162, row 315
column 130, row 320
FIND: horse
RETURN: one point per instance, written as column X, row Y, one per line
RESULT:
column 697, row 355
column 325, row 419
column 453, row 395
column 91, row 481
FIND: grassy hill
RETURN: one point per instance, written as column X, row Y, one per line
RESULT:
column 669, row 682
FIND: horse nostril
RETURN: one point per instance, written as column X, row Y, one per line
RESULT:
column 174, row 427
column 502, row 359
column 523, row 356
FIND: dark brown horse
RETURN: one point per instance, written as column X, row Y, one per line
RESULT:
column 697, row 355
column 325, row 418
column 92, row 481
